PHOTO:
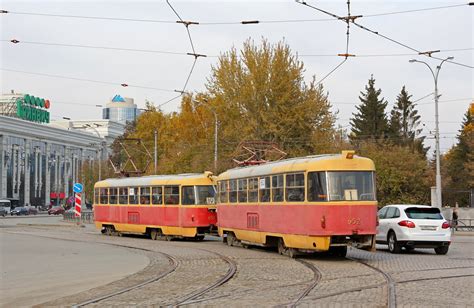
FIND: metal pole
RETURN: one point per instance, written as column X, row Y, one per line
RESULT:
column 215, row 142
column 100, row 165
column 156, row 151
column 438, row 164
column 439, row 200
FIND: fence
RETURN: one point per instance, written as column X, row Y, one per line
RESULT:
column 463, row 224
column 86, row 217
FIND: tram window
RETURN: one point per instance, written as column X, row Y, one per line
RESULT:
column 123, row 195
column 157, row 195
column 232, row 191
column 144, row 195
column 264, row 187
column 104, row 196
column 206, row 194
column 253, row 190
column 113, row 192
column 133, row 195
column 295, row 187
column 277, row 188
column 351, row 185
column 317, row 189
column 223, row 193
column 96, row 196
column 242, row 192
column 188, row 195
column 171, row 195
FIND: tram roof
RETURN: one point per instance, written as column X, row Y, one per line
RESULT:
column 326, row 162
column 171, row 179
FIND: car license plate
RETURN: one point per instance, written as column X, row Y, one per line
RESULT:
column 429, row 228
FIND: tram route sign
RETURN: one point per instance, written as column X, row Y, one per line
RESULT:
column 77, row 188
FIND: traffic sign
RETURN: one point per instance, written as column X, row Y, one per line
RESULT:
column 77, row 187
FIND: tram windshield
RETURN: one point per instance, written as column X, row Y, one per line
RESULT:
column 202, row 194
column 351, row 185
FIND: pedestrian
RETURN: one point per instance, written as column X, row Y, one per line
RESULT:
column 455, row 217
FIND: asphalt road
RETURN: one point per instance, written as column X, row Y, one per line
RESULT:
column 36, row 269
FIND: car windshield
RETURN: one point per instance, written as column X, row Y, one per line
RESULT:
column 423, row 213
column 351, row 185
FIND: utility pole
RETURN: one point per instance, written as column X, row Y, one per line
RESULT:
column 439, row 203
column 156, row 150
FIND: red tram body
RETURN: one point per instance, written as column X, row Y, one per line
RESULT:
column 164, row 205
column 314, row 203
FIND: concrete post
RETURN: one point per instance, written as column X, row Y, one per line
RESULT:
column 26, row 165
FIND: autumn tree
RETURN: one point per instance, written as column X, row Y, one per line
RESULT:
column 370, row 121
column 260, row 94
column 404, row 123
column 402, row 176
column 459, row 164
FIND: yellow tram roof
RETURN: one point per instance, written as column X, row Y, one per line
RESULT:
column 156, row 180
column 327, row 162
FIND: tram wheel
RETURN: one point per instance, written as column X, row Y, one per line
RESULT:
column 109, row 230
column 230, row 239
column 338, row 251
column 154, row 234
column 283, row 250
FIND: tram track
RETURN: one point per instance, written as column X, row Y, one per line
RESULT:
column 188, row 299
column 391, row 291
column 173, row 266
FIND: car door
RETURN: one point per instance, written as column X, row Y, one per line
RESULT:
column 391, row 219
column 381, row 229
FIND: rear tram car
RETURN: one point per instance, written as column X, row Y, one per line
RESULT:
column 314, row 203
column 161, row 206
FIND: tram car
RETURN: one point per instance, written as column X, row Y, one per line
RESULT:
column 161, row 206
column 314, row 203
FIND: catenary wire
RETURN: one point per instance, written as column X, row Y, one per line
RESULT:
column 376, row 33
column 15, row 41
column 85, row 79
column 243, row 22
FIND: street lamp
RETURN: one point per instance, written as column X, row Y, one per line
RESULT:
column 438, row 166
column 100, row 146
column 216, row 122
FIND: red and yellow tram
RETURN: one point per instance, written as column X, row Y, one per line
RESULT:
column 162, row 206
column 314, row 203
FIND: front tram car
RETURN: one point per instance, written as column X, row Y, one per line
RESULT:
column 161, row 206
column 314, row 203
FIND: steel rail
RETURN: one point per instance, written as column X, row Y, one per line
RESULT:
column 173, row 265
column 188, row 299
column 391, row 292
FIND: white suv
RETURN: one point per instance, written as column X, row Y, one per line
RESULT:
column 413, row 226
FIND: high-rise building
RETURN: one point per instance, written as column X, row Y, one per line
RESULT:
column 120, row 109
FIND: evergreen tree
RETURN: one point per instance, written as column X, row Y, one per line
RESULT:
column 371, row 121
column 459, row 163
column 404, row 122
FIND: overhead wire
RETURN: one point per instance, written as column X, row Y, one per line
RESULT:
column 86, row 80
column 16, row 41
column 419, row 52
column 209, row 23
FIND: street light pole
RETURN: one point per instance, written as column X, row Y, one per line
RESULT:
column 100, row 148
column 438, row 164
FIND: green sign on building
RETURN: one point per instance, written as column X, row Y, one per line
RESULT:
column 33, row 109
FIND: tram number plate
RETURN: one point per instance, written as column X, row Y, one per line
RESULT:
column 353, row 221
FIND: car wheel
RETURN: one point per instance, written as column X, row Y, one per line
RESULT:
column 393, row 245
column 441, row 250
